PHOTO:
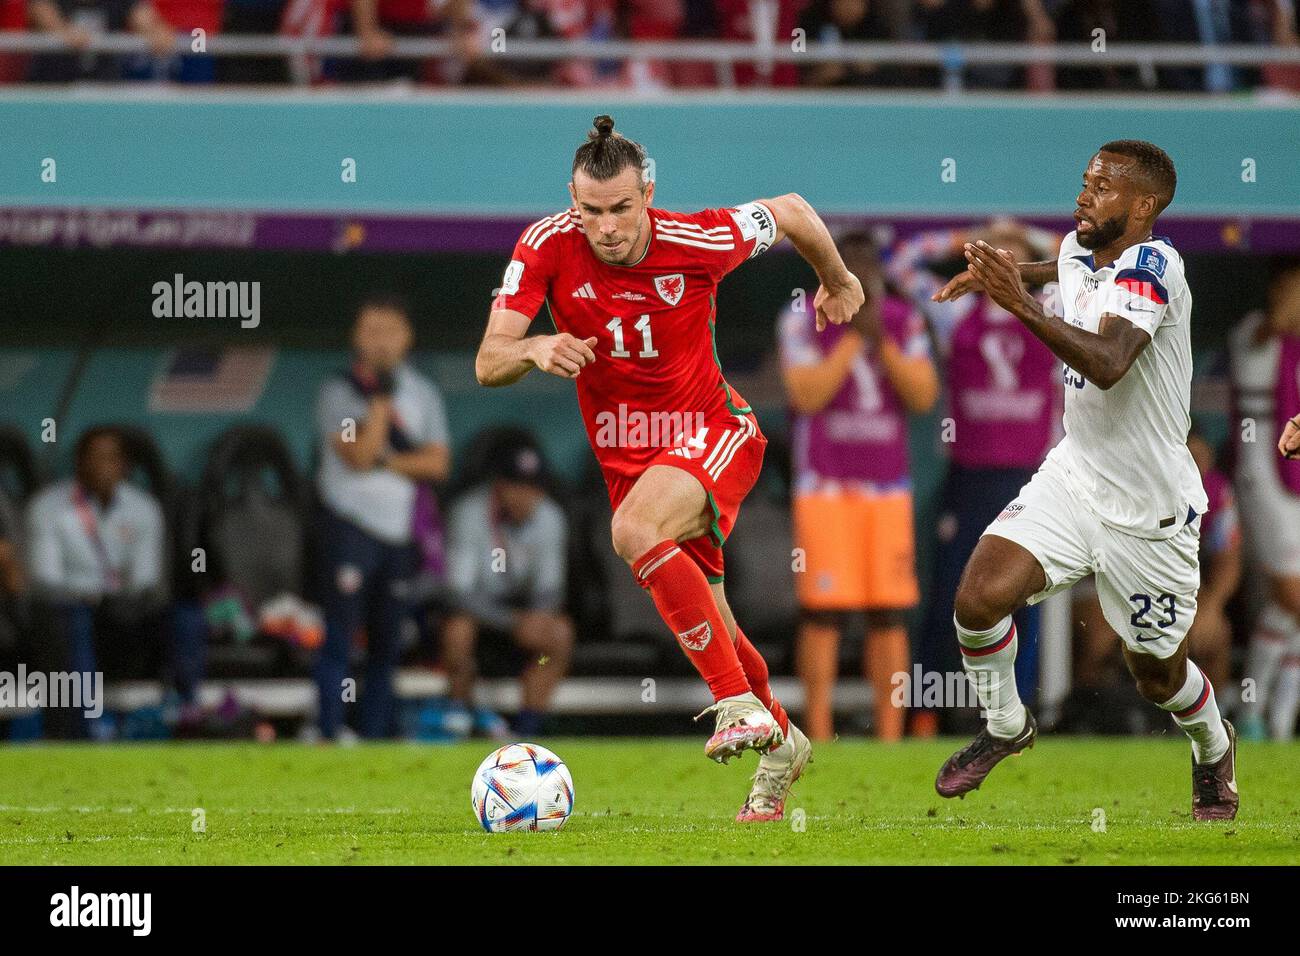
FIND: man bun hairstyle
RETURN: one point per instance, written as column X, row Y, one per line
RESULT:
column 1153, row 165
column 606, row 153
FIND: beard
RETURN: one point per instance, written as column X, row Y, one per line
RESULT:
column 603, row 255
column 1103, row 233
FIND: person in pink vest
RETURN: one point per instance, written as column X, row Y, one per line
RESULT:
column 1003, row 407
column 1264, row 352
column 851, row 389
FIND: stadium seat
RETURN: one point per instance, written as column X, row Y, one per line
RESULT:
column 19, row 475
column 251, row 518
column 148, row 467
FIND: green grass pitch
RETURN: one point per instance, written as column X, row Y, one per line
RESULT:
column 638, row 801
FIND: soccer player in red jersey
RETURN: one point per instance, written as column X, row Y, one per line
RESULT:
column 632, row 292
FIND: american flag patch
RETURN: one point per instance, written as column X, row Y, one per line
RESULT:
column 1010, row 511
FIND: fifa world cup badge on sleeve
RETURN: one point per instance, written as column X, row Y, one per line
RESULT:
column 1153, row 260
column 510, row 281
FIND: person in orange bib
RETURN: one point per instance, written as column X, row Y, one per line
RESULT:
column 851, row 389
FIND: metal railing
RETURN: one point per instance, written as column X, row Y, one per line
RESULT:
column 951, row 58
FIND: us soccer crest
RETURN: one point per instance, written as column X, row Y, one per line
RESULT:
column 670, row 288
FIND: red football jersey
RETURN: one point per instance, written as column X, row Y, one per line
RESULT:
column 656, row 377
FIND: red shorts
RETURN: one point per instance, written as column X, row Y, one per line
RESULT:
column 726, row 458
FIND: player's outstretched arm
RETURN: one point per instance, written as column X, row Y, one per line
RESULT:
column 1101, row 357
column 1031, row 273
column 840, row 295
column 1289, row 444
column 507, row 354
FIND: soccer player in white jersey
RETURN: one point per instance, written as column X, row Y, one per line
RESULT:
column 1120, row 496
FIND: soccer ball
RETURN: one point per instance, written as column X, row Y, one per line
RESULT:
column 522, row 787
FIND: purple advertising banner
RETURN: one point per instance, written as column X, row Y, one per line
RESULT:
column 159, row 229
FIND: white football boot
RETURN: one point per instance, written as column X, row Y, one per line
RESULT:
column 778, row 769
column 743, row 723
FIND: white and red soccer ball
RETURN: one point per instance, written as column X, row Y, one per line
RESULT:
column 522, row 787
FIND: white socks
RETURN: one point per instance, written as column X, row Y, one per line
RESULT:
column 1286, row 694
column 1273, row 663
column 1195, row 710
column 990, row 661
column 1268, row 645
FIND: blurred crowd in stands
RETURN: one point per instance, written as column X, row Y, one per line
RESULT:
column 478, row 28
column 388, row 553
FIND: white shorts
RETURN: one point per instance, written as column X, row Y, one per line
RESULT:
column 1270, row 514
column 1147, row 588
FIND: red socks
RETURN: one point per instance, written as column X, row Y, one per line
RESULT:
column 756, row 672
column 685, row 602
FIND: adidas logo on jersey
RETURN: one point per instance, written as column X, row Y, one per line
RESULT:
column 584, row 292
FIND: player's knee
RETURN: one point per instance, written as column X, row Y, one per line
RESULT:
column 1158, row 688
column 981, row 602
column 632, row 535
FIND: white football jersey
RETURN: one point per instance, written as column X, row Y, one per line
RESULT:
column 1125, row 449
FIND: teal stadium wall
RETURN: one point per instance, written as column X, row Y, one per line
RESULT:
column 508, row 154
column 504, row 156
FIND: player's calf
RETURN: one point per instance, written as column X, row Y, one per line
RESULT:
column 685, row 602
column 1177, row 685
column 1000, row 576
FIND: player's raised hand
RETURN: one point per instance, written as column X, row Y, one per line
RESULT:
column 997, row 273
column 957, row 287
column 563, row 355
column 1289, row 444
column 836, row 305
